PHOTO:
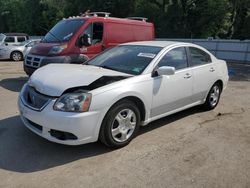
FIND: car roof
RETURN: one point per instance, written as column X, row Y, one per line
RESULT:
column 15, row 34
column 162, row 44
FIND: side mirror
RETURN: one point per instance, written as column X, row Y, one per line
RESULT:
column 165, row 70
column 6, row 44
column 84, row 40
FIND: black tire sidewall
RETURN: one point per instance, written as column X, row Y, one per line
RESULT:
column 109, row 118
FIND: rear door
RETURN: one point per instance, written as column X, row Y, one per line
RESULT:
column 204, row 71
column 175, row 91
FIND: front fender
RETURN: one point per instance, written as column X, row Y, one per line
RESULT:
column 104, row 101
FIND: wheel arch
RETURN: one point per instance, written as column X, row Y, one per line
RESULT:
column 137, row 101
column 220, row 82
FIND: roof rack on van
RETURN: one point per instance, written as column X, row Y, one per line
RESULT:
column 138, row 18
column 96, row 14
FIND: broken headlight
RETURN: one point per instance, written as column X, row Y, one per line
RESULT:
column 73, row 102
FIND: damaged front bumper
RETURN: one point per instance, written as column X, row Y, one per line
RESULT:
column 61, row 127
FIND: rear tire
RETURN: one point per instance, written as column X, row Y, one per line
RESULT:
column 16, row 56
column 213, row 97
column 120, row 124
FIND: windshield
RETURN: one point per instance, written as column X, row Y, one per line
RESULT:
column 63, row 31
column 130, row 59
column 1, row 37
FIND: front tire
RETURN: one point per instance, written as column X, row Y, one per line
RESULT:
column 120, row 124
column 16, row 56
column 213, row 97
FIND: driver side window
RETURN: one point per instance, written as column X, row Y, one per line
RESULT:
column 95, row 31
column 176, row 58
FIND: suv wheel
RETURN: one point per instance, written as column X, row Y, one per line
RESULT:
column 16, row 56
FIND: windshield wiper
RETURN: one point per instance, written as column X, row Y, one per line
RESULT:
column 110, row 68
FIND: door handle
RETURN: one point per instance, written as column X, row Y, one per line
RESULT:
column 212, row 69
column 187, row 76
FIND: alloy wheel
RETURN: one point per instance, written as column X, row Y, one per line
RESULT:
column 123, row 125
column 214, row 96
column 16, row 56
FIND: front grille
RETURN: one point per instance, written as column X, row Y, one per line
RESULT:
column 34, row 99
column 33, row 61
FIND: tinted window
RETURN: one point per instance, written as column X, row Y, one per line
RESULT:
column 199, row 57
column 95, row 31
column 176, row 58
column 129, row 59
column 63, row 31
column 20, row 39
column 10, row 39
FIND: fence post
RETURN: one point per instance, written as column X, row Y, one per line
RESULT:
column 247, row 51
column 216, row 47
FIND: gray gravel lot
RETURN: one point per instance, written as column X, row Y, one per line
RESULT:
column 189, row 149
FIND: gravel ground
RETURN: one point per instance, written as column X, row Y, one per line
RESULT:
column 192, row 148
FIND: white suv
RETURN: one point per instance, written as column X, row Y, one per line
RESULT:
column 12, row 38
column 116, row 92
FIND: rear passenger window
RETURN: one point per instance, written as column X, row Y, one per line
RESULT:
column 9, row 39
column 97, row 33
column 176, row 58
column 199, row 57
column 20, row 39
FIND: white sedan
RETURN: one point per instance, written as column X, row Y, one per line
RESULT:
column 112, row 95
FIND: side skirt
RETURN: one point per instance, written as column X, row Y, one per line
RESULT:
column 171, row 112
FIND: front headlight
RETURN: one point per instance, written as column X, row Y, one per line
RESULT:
column 57, row 49
column 73, row 102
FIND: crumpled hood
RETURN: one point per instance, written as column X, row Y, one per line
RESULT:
column 54, row 79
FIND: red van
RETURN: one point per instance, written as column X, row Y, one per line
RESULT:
column 76, row 39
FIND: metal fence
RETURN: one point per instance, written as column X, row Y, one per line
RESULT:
column 229, row 50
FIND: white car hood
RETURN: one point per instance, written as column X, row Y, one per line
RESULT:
column 54, row 79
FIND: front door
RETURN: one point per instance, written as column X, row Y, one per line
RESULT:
column 174, row 91
column 95, row 31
